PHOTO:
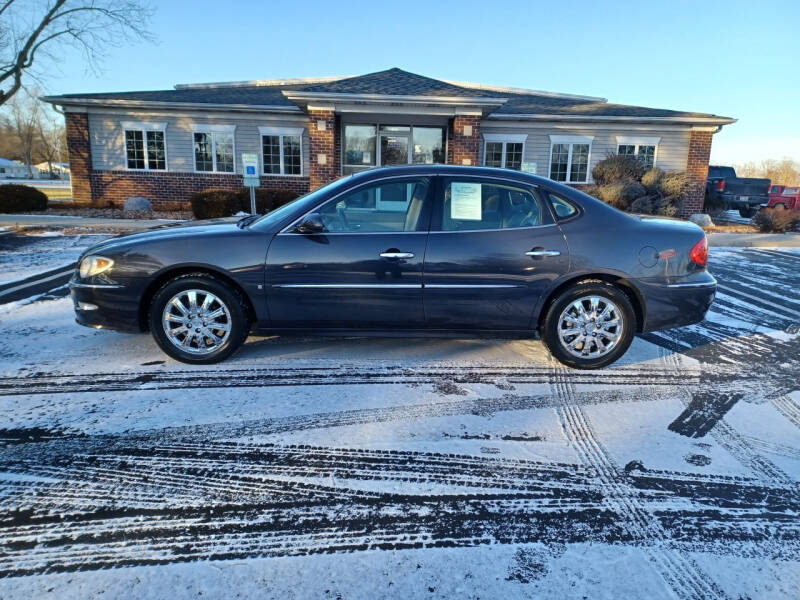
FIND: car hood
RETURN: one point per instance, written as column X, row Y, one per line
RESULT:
column 193, row 229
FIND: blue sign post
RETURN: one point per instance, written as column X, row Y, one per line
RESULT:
column 251, row 178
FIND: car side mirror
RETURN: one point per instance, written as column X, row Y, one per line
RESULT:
column 311, row 224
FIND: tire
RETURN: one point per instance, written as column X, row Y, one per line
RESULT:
column 747, row 213
column 216, row 303
column 780, row 207
column 588, row 354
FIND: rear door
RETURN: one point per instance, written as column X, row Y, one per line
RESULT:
column 364, row 270
column 492, row 252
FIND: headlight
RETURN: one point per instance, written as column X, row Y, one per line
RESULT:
column 94, row 265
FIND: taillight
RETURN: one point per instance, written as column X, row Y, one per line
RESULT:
column 699, row 253
column 721, row 185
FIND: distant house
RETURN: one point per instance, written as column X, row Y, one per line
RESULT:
column 12, row 169
column 56, row 169
column 307, row 132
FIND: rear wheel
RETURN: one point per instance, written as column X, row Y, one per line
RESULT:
column 747, row 213
column 589, row 325
column 198, row 319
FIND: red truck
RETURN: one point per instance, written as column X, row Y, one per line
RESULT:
column 788, row 198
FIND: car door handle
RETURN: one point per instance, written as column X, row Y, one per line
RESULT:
column 542, row 252
column 397, row 255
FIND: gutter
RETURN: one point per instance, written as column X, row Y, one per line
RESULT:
column 67, row 101
column 710, row 120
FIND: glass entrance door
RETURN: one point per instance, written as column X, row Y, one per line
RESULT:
column 394, row 144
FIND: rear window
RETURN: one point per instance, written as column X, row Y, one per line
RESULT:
column 721, row 172
column 791, row 191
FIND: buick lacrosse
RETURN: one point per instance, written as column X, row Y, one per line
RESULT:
column 418, row 251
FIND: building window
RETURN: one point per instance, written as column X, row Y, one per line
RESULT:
column 643, row 148
column 569, row 158
column 281, row 150
column 503, row 154
column 366, row 146
column 645, row 153
column 145, row 149
column 213, row 150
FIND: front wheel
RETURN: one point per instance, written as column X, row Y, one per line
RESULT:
column 198, row 319
column 589, row 325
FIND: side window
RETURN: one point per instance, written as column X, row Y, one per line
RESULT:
column 474, row 205
column 389, row 206
column 562, row 208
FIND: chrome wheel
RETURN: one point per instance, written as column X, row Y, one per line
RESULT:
column 196, row 321
column 590, row 327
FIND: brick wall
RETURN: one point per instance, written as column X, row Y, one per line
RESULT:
column 463, row 146
column 697, row 170
column 80, row 156
column 171, row 190
column 322, row 149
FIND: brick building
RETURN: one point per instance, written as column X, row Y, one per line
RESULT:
column 167, row 144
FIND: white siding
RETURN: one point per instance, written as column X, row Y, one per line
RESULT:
column 671, row 152
column 108, row 136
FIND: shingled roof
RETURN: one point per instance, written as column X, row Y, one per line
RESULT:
column 275, row 95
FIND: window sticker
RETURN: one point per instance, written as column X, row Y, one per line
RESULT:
column 465, row 201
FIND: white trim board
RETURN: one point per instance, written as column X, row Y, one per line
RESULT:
column 213, row 128
column 506, row 137
column 637, row 140
column 144, row 125
column 281, row 130
column 571, row 139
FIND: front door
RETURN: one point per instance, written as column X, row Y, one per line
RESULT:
column 364, row 270
column 492, row 252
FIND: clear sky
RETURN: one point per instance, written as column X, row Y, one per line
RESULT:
column 737, row 59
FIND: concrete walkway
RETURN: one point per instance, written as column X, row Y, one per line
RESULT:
column 69, row 221
column 785, row 240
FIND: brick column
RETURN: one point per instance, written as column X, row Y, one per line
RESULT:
column 80, row 156
column 697, row 169
column 322, row 150
column 465, row 140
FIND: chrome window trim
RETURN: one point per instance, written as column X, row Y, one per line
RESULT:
column 496, row 229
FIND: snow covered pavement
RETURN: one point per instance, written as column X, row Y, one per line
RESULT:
column 370, row 468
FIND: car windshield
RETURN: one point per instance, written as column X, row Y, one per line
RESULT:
column 301, row 204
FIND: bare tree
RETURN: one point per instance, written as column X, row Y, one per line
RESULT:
column 784, row 171
column 30, row 30
column 24, row 117
column 51, row 140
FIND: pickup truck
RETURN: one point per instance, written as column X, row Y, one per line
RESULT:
column 746, row 194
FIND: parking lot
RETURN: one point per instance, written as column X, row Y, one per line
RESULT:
column 367, row 468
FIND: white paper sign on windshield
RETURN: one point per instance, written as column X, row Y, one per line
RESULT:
column 465, row 201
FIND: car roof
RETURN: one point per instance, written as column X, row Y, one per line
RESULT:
column 450, row 170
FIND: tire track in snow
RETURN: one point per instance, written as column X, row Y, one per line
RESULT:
column 296, row 377
column 684, row 577
column 536, row 502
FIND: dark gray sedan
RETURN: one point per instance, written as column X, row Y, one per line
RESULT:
column 428, row 250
